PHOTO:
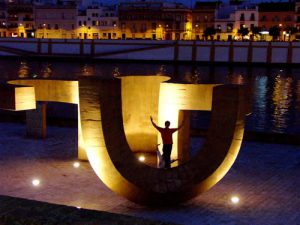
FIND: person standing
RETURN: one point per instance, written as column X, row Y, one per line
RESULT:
column 166, row 135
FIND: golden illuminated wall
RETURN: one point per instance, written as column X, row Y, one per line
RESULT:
column 113, row 118
column 176, row 97
column 140, row 95
column 115, row 164
column 57, row 91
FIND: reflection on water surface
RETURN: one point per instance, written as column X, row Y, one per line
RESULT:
column 276, row 91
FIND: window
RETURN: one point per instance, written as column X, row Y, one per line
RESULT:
column 80, row 23
column 49, row 26
column 242, row 17
column 56, row 27
column 229, row 27
column 252, row 17
column 94, row 23
column 263, row 18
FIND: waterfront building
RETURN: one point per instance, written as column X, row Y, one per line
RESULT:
column 155, row 20
column 276, row 19
column 224, row 22
column 204, row 14
column 3, row 20
column 98, row 22
column 246, row 20
column 297, row 20
column 20, row 20
column 55, row 21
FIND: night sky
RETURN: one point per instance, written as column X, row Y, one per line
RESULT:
column 185, row 2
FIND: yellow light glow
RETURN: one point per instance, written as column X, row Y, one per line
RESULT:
column 76, row 164
column 235, row 199
column 142, row 158
column 36, row 182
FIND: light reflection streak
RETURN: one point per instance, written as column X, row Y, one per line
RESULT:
column 260, row 101
column 23, row 71
column 281, row 100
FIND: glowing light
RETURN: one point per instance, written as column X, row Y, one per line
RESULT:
column 142, row 158
column 36, row 182
column 78, row 207
column 235, row 199
column 76, row 164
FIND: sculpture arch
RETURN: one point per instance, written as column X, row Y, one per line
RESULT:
column 105, row 142
column 115, row 164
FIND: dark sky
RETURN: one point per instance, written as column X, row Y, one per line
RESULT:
column 185, row 2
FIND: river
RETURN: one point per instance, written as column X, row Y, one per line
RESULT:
column 276, row 90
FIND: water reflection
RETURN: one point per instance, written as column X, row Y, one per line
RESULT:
column 276, row 92
column 260, row 98
column 46, row 71
column 162, row 71
column 87, row 70
column 281, row 99
column 23, row 71
column 116, row 73
column 193, row 77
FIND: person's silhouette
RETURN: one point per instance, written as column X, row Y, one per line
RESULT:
column 166, row 135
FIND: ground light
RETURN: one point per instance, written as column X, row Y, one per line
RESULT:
column 36, row 182
column 235, row 199
column 76, row 164
column 142, row 158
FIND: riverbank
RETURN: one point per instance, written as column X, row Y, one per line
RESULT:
column 224, row 52
column 264, row 176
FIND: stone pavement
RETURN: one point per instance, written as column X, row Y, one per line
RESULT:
column 266, row 177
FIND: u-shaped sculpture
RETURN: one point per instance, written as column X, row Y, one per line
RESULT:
column 114, row 162
column 110, row 143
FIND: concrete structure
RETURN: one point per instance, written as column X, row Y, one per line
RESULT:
column 102, row 136
column 185, row 51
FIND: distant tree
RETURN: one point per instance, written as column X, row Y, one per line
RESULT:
column 274, row 32
column 243, row 32
column 255, row 31
column 210, row 32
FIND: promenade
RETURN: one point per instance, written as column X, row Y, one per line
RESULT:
column 266, row 177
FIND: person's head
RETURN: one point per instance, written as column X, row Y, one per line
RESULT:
column 167, row 124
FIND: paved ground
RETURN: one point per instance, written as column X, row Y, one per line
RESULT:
column 266, row 178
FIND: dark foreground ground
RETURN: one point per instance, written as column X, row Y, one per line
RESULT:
column 266, row 177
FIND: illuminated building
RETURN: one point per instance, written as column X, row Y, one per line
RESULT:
column 155, row 20
column 297, row 19
column 277, row 14
column 203, row 17
column 20, row 20
column 3, row 20
column 98, row 22
column 55, row 21
column 246, row 16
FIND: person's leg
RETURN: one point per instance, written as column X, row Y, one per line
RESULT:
column 167, row 155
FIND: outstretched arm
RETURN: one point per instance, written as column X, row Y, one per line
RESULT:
column 154, row 124
column 181, row 125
